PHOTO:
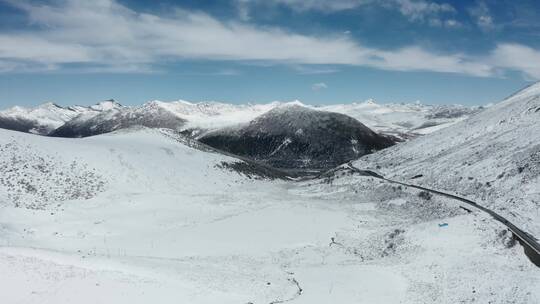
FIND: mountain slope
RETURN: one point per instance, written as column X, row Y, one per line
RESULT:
column 493, row 157
column 293, row 136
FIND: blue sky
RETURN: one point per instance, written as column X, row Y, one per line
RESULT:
column 320, row 52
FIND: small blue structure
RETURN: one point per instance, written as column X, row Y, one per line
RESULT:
column 443, row 225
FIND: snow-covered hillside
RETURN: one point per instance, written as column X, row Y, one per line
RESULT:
column 493, row 157
column 162, row 221
column 293, row 136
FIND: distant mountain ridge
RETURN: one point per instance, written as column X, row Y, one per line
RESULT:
column 151, row 114
column 401, row 120
column 46, row 118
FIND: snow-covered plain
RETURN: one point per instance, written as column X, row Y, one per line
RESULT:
column 138, row 216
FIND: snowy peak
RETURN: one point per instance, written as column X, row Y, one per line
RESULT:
column 50, row 106
column 106, row 105
column 370, row 102
column 157, row 106
column 45, row 107
column 291, row 103
column 532, row 90
column 41, row 119
column 292, row 116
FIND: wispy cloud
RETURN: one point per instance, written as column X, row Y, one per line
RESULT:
column 421, row 10
column 313, row 70
column 335, row 5
column 104, row 35
column 481, row 14
column 319, row 86
column 426, row 11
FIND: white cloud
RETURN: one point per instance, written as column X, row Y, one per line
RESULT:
column 517, row 57
column 482, row 16
column 448, row 23
column 33, row 47
column 106, row 32
column 106, row 36
column 319, row 86
column 415, row 58
column 452, row 23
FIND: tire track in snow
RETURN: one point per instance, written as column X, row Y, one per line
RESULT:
column 295, row 296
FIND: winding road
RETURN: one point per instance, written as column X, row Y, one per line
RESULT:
column 529, row 243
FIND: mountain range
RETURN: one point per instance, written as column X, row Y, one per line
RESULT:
column 287, row 135
column 398, row 119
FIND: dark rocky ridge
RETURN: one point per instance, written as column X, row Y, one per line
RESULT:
column 21, row 125
column 294, row 136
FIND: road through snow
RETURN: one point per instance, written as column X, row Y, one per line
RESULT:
column 529, row 243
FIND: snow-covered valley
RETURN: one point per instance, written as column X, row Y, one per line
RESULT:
column 143, row 215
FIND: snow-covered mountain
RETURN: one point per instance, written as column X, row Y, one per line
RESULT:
column 151, row 114
column 47, row 117
column 39, row 120
column 401, row 120
column 293, row 136
column 493, row 157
